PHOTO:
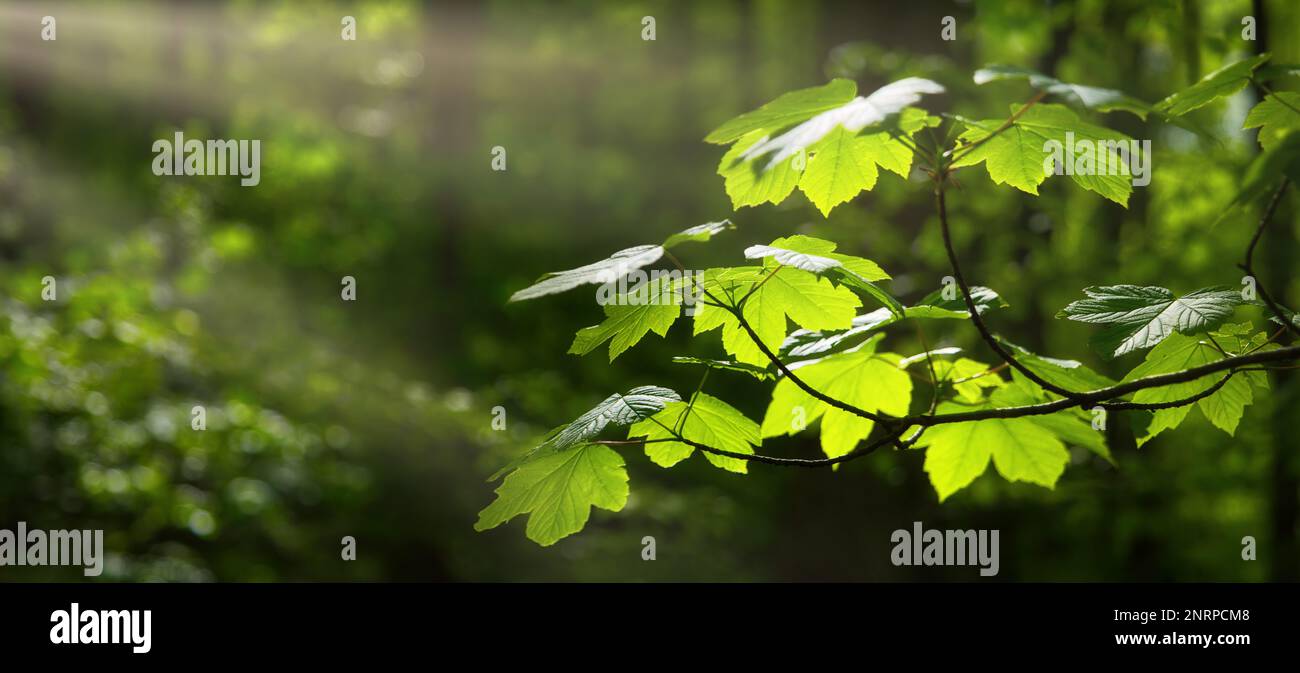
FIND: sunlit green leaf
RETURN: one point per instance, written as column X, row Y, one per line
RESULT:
column 709, row 421
column 1225, row 81
column 1141, row 317
column 637, row 404
column 863, row 378
column 1020, row 449
column 557, row 491
column 811, row 302
column 1276, row 117
column 1024, row 154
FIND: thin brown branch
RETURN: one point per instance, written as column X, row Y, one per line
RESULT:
column 941, row 204
column 844, row 406
column 1249, row 265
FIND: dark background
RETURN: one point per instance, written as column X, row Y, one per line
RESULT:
column 372, row 418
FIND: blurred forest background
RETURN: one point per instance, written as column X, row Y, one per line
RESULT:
column 373, row 418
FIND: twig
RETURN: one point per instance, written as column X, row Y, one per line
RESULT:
column 1249, row 265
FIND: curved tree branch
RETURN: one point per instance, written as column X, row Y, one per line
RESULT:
column 1156, row 406
column 844, row 406
column 891, row 437
column 941, row 204
column 1119, row 390
column 1249, row 265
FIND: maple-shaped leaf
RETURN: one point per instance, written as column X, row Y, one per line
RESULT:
column 746, row 185
column 637, row 404
column 853, row 116
column 1073, row 426
column 1026, row 153
column 1224, row 408
column 819, row 256
column 811, row 302
column 1141, row 317
column 1223, row 82
column 1276, row 117
column 863, row 378
column 628, row 318
column 707, row 420
column 1019, row 448
column 557, row 491
column 824, row 154
column 844, row 163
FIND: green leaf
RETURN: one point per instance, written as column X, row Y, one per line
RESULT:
column 811, row 302
column 1222, row 82
column 793, row 258
column 1090, row 97
column 624, row 327
column 1068, row 374
column 863, row 378
column 839, row 168
column 1021, row 155
column 803, row 344
column 823, row 154
column 818, row 256
column 786, row 110
column 557, row 492
column 639, row 403
column 759, row 373
column 1021, row 450
column 1276, row 117
column 1141, row 317
column 843, row 164
column 1174, row 354
column 710, row 421
column 606, row 270
column 749, row 185
column 630, row 317
column 935, row 306
column 1013, row 157
column 1073, row 426
column 969, row 378
column 851, row 279
column 699, row 233
column 616, row 265
column 1224, row 408
column 853, row 116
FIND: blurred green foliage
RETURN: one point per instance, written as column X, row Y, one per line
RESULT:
column 372, row 418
